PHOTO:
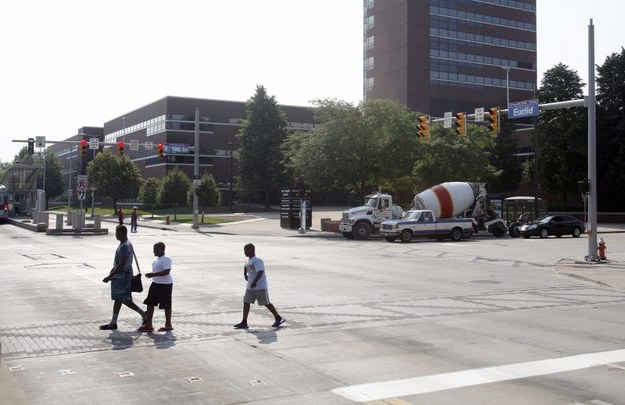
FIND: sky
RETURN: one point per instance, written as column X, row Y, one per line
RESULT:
column 66, row 64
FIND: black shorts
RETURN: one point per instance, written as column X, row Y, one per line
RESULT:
column 159, row 294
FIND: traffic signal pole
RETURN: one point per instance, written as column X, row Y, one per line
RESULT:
column 591, row 103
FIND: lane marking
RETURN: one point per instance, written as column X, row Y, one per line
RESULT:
column 466, row 378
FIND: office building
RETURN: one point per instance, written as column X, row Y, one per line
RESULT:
column 450, row 55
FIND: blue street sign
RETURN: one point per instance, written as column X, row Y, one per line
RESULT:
column 520, row 109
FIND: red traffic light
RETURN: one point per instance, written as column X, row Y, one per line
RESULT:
column 120, row 148
column 160, row 150
column 83, row 147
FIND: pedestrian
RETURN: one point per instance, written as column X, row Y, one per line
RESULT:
column 256, row 288
column 160, row 289
column 120, row 216
column 134, row 218
column 120, row 278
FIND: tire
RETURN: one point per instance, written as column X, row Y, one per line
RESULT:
column 544, row 233
column 513, row 231
column 456, row 234
column 348, row 235
column 577, row 232
column 361, row 231
column 391, row 238
column 405, row 235
column 499, row 231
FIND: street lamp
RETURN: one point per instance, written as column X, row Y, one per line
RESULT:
column 507, row 69
column 231, row 174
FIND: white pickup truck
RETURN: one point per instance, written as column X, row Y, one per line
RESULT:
column 422, row 223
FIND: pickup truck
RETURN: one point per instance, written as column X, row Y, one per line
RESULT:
column 422, row 223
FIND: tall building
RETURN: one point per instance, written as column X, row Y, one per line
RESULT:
column 450, row 55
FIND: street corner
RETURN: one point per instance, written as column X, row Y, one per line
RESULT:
column 607, row 273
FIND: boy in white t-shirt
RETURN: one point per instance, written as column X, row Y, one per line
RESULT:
column 160, row 289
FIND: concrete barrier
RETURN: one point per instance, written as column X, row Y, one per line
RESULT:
column 59, row 222
column 328, row 225
column 97, row 222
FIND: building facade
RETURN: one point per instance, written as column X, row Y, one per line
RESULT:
column 170, row 121
column 436, row 56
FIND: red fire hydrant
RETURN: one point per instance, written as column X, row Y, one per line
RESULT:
column 601, row 248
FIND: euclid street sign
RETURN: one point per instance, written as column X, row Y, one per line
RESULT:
column 521, row 109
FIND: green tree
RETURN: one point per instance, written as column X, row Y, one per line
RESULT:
column 611, row 132
column 55, row 184
column 503, row 158
column 261, row 136
column 176, row 186
column 207, row 192
column 354, row 147
column 449, row 157
column 562, row 134
column 116, row 177
column 149, row 192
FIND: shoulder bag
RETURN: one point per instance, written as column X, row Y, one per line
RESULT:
column 136, row 285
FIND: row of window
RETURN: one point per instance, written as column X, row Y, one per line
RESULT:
column 465, row 36
column 479, row 59
column 478, row 80
column 480, row 18
column 521, row 5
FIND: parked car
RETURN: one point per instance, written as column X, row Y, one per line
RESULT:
column 557, row 225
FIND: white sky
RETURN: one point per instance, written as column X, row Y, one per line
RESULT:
column 65, row 64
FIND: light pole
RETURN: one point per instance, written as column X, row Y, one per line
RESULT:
column 507, row 69
column 231, row 173
column 69, row 183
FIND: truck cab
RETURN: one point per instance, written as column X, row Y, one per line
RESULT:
column 363, row 221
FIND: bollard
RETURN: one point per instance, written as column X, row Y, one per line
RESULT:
column 59, row 222
column 167, row 219
column 97, row 222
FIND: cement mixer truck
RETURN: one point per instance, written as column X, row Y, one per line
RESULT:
column 460, row 199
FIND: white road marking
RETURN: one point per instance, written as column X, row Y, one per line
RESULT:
column 466, row 378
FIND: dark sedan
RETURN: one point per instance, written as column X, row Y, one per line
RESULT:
column 557, row 225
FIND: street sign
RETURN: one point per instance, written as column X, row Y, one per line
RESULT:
column 521, row 109
column 94, row 144
column 81, row 195
column 447, row 120
column 148, row 146
column 479, row 114
column 173, row 148
column 81, row 183
column 197, row 182
column 40, row 141
column 134, row 144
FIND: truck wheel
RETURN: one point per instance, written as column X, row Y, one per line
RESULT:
column 499, row 231
column 514, row 231
column 405, row 235
column 456, row 234
column 362, row 230
column 348, row 235
column 390, row 238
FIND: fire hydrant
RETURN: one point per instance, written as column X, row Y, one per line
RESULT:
column 601, row 248
column 167, row 219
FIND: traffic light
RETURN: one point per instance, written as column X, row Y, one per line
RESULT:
column 494, row 120
column 160, row 150
column 31, row 146
column 83, row 148
column 461, row 121
column 424, row 127
column 120, row 148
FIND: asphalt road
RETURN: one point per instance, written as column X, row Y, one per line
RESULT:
column 482, row 321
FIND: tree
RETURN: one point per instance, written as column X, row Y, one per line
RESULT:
column 611, row 132
column 449, row 157
column 207, row 192
column 149, row 192
column 55, row 185
column 116, row 177
column 503, row 158
column 262, row 133
column 562, row 149
column 354, row 147
column 176, row 185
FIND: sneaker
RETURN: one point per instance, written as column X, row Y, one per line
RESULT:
column 242, row 325
column 279, row 322
column 108, row 326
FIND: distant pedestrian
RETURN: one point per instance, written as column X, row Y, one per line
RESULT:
column 160, row 289
column 120, row 216
column 134, row 218
column 256, row 288
column 120, row 278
